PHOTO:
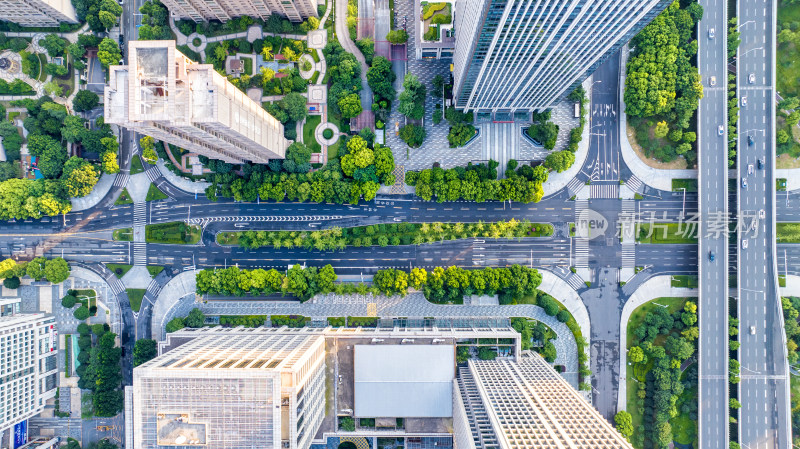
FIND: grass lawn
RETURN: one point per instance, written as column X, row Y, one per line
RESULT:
column 118, row 268
column 136, row 165
column 689, row 184
column 123, row 235
column 635, row 376
column 684, row 430
column 154, row 194
column 67, row 82
column 312, row 121
column 685, row 281
column 123, row 198
column 788, row 232
column 173, row 233
column 665, row 233
column 788, row 64
column 154, row 270
column 87, row 298
column 228, row 238
column 248, row 65
column 333, row 150
column 135, row 296
column 42, row 63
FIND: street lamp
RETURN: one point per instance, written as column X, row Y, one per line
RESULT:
column 749, row 21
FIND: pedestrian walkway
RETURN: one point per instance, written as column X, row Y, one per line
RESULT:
column 99, row 192
column 581, row 242
column 187, row 185
column 253, row 33
column 609, row 191
column 121, row 180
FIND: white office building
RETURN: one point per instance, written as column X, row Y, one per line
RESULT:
column 163, row 94
column 28, row 366
column 38, row 13
column 521, row 55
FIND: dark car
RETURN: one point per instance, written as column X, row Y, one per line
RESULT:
column 750, row 140
column 761, row 164
column 711, row 256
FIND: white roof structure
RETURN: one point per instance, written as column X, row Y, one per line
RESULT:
column 404, row 381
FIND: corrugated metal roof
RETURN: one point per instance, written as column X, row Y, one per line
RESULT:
column 404, row 381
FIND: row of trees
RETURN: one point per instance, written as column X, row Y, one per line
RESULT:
column 298, row 281
column 100, row 370
column 344, row 97
column 101, row 15
column 55, row 270
column 791, row 313
column 662, row 342
column 479, row 183
column 536, row 336
column 386, row 234
column 560, row 161
column 380, row 78
column 452, row 284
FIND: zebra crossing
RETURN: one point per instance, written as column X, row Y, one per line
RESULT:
column 574, row 186
column 634, row 183
column 581, row 244
column 121, row 180
column 575, row 281
column 629, row 255
column 140, row 253
column 154, row 288
column 139, row 214
column 116, row 285
column 153, row 174
column 599, row 191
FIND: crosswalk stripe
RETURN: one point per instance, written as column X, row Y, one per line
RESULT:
column 121, row 180
column 140, row 214
column 153, row 174
column 604, row 191
column 634, row 183
column 140, row 254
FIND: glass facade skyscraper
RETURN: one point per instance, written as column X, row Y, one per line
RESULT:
column 522, row 55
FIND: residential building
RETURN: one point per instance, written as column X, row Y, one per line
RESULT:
column 520, row 55
column 28, row 368
column 163, row 94
column 38, row 13
column 224, row 10
column 524, row 403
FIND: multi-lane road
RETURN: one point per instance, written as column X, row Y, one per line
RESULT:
column 712, row 159
column 764, row 420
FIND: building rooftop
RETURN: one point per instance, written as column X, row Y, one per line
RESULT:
column 404, row 381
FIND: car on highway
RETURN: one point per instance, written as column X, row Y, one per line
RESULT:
column 744, row 183
column 711, row 255
column 752, row 330
column 751, row 78
column 760, row 164
column 744, row 101
column 712, row 81
column 750, row 141
column 762, row 214
column 721, row 130
column 750, row 169
column 711, row 33
column 744, row 243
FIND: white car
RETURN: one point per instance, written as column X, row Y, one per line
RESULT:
column 712, row 81
column 744, row 243
column 762, row 214
column 721, row 130
column 744, row 183
column 744, row 101
column 711, row 33
column 752, row 330
column 751, row 78
column 750, row 169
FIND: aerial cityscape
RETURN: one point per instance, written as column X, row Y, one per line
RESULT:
column 399, row 224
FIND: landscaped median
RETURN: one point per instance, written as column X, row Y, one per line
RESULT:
column 172, row 233
column 788, row 232
column 666, row 233
column 384, row 235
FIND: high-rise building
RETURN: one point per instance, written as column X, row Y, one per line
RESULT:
column 521, row 55
column 38, row 13
column 224, row 10
column 163, row 94
column 229, row 389
column 28, row 366
column 522, row 404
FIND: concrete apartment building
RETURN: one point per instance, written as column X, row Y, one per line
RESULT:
column 163, row 94
column 520, row 55
column 294, row 388
column 28, row 368
column 38, row 13
column 224, row 10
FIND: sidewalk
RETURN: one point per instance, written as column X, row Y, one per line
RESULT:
column 792, row 176
column 181, row 182
column 177, row 298
column 557, row 181
column 99, row 192
column 655, row 287
column 653, row 177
